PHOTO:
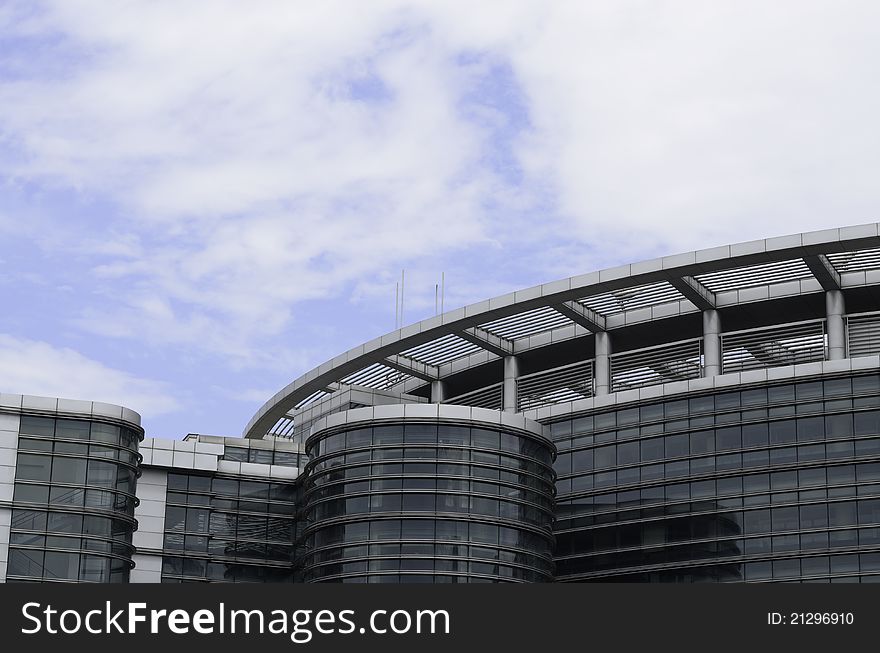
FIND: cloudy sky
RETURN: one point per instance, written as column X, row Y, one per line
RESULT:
column 202, row 199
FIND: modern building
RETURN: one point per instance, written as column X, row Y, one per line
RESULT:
column 710, row 416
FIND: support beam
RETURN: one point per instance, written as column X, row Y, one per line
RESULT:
column 580, row 314
column 412, row 367
column 693, row 290
column 711, row 343
column 835, row 309
column 488, row 341
column 438, row 391
column 602, row 366
column 824, row 272
column 511, row 373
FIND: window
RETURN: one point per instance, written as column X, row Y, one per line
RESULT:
column 24, row 562
column 783, row 432
column 702, row 442
column 61, row 565
column 677, row 446
column 72, row 429
column 842, row 513
column 60, row 522
column 101, row 473
column 754, row 435
column 33, row 467
column 30, row 520
column 867, row 423
column 652, row 449
column 728, row 438
column 31, row 493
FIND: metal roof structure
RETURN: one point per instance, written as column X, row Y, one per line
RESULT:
column 475, row 337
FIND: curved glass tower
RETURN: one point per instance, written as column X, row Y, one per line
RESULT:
column 428, row 494
column 76, row 470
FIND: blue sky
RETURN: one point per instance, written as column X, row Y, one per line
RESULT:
column 201, row 200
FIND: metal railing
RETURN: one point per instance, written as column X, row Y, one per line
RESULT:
column 791, row 344
column 565, row 383
column 863, row 334
column 675, row 361
column 489, row 397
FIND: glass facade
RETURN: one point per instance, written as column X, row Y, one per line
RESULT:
column 780, row 482
column 428, row 502
column 74, row 500
column 221, row 528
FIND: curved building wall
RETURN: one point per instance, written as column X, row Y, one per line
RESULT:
column 755, row 482
column 428, row 494
column 72, row 513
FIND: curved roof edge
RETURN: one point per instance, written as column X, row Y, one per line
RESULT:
column 668, row 268
column 68, row 407
column 440, row 412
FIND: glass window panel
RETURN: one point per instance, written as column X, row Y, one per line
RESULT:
column 102, row 473
column 867, row 422
column 388, row 434
column 814, row 476
column 34, row 444
column 33, row 467
column 702, row 442
column 677, row 445
column 461, row 435
column 605, row 456
column 786, row 568
column 783, row 455
column 76, row 448
column 23, row 562
column 260, row 456
column 236, row 454
column 652, row 449
column 785, row 519
column 844, row 563
column 427, row 434
column 757, row 521
column 838, row 426
column 728, row 461
column 755, row 435
column 72, row 429
column 759, row 458
column 225, row 486
column 840, row 474
column 31, row 520
column 105, row 433
column 727, row 438
column 810, row 428
column 842, row 513
column 44, row 426
column 783, row 432
column 869, row 511
column 61, row 522
column 417, row 529
column 177, row 481
column 757, row 570
column 67, row 496
column 869, row 447
column 31, row 493
column 61, row 565
column 868, row 472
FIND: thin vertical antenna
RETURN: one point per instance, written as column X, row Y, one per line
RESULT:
column 436, row 297
column 442, row 289
column 396, row 304
column 402, row 286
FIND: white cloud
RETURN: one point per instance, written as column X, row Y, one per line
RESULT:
column 38, row 368
column 687, row 124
